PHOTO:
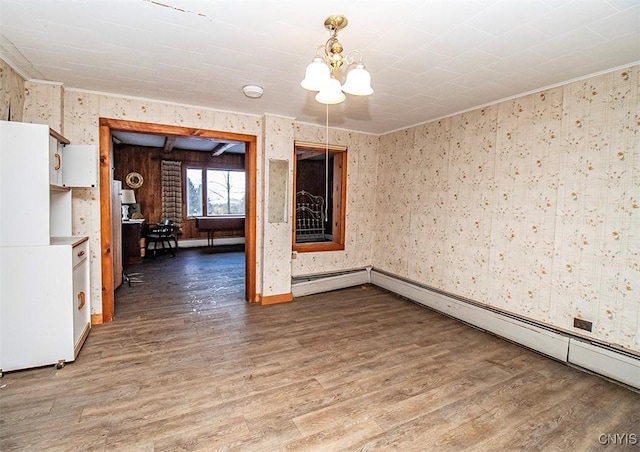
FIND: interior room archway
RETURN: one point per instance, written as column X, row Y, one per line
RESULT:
column 108, row 125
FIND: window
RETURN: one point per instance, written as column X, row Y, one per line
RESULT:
column 212, row 192
column 320, row 197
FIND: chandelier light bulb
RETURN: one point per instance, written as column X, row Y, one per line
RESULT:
column 358, row 81
column 317, row 75
column 331, row 93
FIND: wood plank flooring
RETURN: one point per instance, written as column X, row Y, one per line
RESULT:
column 188, row 365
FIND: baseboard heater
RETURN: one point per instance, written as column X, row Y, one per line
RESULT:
column 605, row 361
column 307, row 285
column 598, row 358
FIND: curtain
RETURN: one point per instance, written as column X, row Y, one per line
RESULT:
column 172, row 191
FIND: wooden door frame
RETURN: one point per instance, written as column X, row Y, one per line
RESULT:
column 106, row 125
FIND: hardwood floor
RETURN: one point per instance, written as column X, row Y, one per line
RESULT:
column 188, row 365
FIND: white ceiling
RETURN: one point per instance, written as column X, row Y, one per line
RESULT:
column 427, row 58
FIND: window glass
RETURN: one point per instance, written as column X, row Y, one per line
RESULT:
column 194, row 192
column 225, row 192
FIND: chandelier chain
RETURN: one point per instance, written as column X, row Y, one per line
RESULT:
column 326, row 167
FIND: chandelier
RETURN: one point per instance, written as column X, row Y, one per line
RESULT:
column 321, row 73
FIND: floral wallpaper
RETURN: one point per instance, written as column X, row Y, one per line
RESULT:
column 11, row 93
column 531, row 206
column 43, row 104
column 361, row 187
column 276, row 254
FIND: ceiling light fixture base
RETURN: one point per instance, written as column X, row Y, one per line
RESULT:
column 253, row 91
column 335, row 23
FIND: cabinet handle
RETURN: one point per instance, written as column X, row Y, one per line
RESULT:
column 59, row 162
column 81, row 253
column 81, row 300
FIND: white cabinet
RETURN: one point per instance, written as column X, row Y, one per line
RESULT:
column 36, row 170
column 44, row 303
column 44, row 271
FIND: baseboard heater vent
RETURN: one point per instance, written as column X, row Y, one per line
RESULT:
column 609, row 362
column 307, row 285
column 600, row 359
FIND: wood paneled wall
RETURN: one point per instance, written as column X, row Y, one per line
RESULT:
column 147, row 160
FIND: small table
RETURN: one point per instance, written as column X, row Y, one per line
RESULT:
column 219, row 223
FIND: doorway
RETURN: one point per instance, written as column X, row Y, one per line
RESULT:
column 106, row 177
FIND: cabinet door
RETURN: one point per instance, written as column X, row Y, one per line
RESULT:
column 55, row 161
column 81, row 308
column 80, row 166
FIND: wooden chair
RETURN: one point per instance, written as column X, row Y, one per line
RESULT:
column 164, row 234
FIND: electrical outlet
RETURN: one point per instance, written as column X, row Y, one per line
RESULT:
column 582, row 324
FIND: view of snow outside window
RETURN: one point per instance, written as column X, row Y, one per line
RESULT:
column 224, row 194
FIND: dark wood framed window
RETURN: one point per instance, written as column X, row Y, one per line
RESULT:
column 320, row 197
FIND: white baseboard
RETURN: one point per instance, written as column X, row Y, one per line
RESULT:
column 326, row 283
column 604, row 361
column 600, row 359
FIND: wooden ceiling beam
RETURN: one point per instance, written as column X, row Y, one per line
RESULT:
column 169, row 143
column 308, row 155
column 220, row 148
